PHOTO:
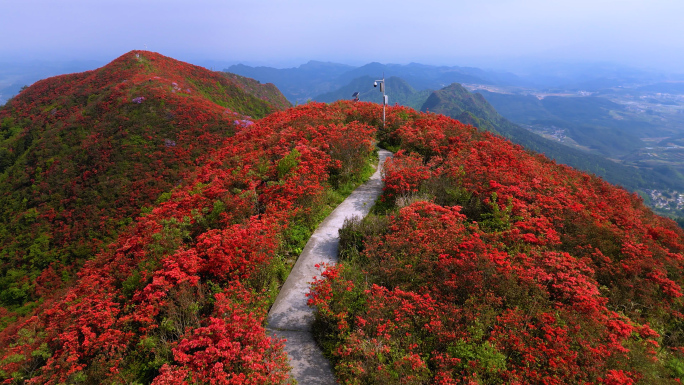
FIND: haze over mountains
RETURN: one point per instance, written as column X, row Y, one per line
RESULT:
column 314, row 78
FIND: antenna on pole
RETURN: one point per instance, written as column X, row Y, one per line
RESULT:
column 384, row 96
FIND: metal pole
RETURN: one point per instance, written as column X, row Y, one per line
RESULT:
column 384, row 96
column 384, row 99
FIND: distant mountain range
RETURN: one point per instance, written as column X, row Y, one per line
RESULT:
column 400, row 92
column 593, row 122
column 315, row 78
column 318, row 78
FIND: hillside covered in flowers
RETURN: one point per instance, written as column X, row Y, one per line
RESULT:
column 182, row 292
column 82, row 154
column 486, row 263
column 152, row 209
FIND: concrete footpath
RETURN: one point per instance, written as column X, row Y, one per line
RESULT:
column 290, row 317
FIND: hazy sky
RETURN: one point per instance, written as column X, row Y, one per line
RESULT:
column 646, row 33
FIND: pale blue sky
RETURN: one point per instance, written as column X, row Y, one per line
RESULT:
column 644, row 33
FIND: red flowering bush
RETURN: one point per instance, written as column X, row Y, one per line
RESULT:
column 184, row 292
column 83, row 154
column 403, row 175
column 506, row 268
column 483, row 264
column 231, row 349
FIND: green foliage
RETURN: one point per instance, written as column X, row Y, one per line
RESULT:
column 39, row 355
column 296, row 237
column 448, row 191
column 16, row 295
column 496, row 220
column 355, row 231
column 485, row 355
column 342, row 186
column 180, row 313
column 170, row 237
column 229, row 91
column 136, row 140
column 39, row 252
column 131, row 284
column 163, row 197
column 326, row 326
column 288, row 162
column 676, row 365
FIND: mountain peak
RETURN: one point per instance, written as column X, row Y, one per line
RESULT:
column 100, row 146
column 455, row 99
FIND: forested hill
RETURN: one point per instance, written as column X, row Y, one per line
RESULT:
column 472, row 108
column 82, row 154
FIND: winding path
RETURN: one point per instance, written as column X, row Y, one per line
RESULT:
column 290, row 317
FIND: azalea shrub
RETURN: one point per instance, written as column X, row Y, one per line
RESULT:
column 486, row 263
column 182, row 294
column 82, row 155
column 482, row 262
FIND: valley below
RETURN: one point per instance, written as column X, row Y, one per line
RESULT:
column 653, row 121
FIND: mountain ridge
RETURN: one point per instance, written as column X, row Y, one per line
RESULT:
column 399, row 90
column 307, row 81
column 83, row 154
